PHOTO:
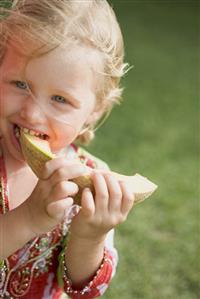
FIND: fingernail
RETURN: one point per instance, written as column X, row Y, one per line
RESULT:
column 69, row 201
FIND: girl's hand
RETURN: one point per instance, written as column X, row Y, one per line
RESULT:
column 100, row 213
column 52, row 196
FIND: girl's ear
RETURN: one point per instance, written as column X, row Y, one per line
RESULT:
column 91, row 121
column 94, row 117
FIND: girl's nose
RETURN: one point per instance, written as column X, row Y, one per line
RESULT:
column 31, row 111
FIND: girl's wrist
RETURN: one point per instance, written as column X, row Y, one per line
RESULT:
column 91, row 283
column 89, row 239
column 83, row 257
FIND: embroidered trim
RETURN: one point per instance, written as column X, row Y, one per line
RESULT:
column 4, row 203
column 106, row 266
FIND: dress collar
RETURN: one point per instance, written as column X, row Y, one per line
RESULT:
column 4, row 202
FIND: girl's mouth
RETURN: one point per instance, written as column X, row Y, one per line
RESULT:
column 18, row 129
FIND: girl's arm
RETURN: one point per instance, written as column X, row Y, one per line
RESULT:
column 88, row 267
column 14, row 231
column 83, row 258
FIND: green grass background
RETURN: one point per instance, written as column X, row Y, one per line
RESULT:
column 155, row 133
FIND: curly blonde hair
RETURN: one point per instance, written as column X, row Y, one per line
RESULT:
column 59, row 22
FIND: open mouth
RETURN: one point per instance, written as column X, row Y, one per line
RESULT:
column 17, row 132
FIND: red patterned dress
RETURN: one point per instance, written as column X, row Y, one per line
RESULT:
column 37, row 270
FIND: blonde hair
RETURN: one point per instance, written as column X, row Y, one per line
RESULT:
column 57, row 22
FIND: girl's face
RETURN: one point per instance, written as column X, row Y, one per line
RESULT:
column 53, row 94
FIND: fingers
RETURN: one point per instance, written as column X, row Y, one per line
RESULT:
column 101, row 192
column 111, row 195
column 87, row 203
column 60, row 169
column 62, row 190
column 128, row 199
column 61, row 162
column 115, row 193
column 58, row 209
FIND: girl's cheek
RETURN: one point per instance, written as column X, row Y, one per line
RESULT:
column 9, row 103
column 5, row 106
column 65, row 136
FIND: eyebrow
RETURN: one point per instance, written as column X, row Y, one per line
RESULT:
column 69, row 95
column 6, row 75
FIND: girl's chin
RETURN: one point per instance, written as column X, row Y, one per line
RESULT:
column 13, row 155
column 18, row 156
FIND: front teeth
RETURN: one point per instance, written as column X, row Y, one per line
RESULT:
column 16, row 131
column 31, row 132
column 27, row 131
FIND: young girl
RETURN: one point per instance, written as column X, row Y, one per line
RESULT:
column 60, row 66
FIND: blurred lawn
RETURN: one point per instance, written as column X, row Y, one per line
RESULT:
column 154, row 132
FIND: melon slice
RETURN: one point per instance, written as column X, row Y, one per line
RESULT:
column 37, row 152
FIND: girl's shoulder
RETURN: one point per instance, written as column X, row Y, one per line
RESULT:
column 88, row 159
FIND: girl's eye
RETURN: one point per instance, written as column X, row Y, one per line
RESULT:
column 59, row 99
column 21, row 84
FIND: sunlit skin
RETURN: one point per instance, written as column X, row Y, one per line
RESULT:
column 53, row 77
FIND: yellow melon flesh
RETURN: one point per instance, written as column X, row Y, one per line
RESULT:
column 37, row 152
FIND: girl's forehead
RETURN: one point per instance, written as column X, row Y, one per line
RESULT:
column 76, row 56
column 15, row 55
column 61, row 69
